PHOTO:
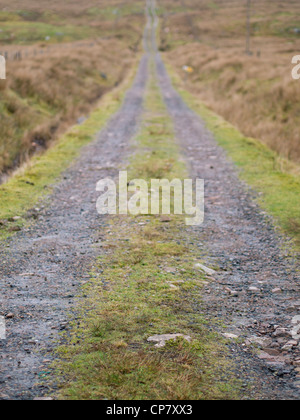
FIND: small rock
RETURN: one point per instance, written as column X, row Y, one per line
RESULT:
column 290, row 344
column 207, row 270
column 254, row 289
column 276, row 290
column 295, row 333
column 230, row 336
column 10, row 316
column 281, row 332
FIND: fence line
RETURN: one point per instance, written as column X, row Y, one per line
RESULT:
column 23, row 54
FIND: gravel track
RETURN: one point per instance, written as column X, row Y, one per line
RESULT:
column 256, row 292
column 42, row 267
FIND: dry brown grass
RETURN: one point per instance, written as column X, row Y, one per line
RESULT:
column 256, row 93
column 45, row 93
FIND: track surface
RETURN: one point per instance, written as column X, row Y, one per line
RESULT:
column 239, row 238
column 43, row 266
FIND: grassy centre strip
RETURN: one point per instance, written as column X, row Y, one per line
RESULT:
column 145, row 283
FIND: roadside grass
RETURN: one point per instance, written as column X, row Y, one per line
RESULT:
column 144, row 284
column 255, row 92
column 34, row 181
column 16, row 115
column 20, row 32
column 117, row 11
column 59, row 78
column 65, row 23
column 277, row 179
column 41, row 98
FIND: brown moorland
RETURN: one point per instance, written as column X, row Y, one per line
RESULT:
column 254, row 92
column 54, row 80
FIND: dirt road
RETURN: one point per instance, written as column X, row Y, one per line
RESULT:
column 41, row 267
column 256, row 291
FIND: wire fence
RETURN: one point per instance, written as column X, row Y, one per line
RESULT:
column 21, row 54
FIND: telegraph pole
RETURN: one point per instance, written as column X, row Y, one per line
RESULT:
column 248, row 27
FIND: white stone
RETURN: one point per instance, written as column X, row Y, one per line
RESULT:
column 230, row 336
column 207, row 270
column 254, row 289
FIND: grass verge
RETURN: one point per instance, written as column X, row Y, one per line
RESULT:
column 145, row 284
column 276, row 179
column 256, row 93
column 32, row 183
